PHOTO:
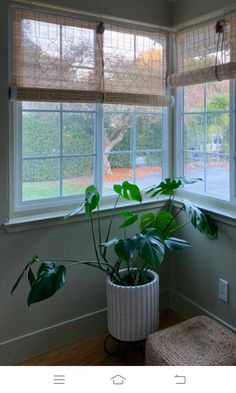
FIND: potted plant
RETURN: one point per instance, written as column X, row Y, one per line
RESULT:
column 132, row 285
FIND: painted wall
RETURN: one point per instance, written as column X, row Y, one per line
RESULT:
column 79, row 308
column 184, row 10
column 195, row 274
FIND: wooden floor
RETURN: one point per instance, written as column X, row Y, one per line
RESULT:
column 90, row 351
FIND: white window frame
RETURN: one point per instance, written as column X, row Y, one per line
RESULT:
column 204, row 199
column 61, row 205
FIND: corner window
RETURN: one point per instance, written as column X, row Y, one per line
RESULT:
column 205, row 138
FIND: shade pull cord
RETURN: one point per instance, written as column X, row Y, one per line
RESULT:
column 220, row 30
column 99, row 32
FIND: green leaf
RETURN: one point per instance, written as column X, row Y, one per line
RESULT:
column 124, row 249
column 131, row 218
column 31, row 277
column 147, row 220
column 174, row 243
column 92, row 198
column 200, row 221
column 165, row 223
column 76, row 211
column 166, row 187
column 109, row 243
column 34, row 259
column 50, row 278
column 189, row 180
column 150, row 247
column 128, row 191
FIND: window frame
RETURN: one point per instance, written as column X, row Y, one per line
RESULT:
column 56, row 205
column 179, row 150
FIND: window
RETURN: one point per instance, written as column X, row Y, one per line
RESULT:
column 204, row 120
column 62, row 148
column 90, row 106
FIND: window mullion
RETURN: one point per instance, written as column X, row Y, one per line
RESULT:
column 232, row 141
column 99, row 146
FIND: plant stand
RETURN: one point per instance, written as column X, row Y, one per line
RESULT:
column 122, row 346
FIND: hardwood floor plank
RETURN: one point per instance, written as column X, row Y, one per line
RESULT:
column 90, row 351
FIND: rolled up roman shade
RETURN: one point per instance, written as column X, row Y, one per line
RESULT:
column 70, row 59
column 206, row 53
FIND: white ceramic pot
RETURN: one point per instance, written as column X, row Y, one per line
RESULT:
column 133, row 312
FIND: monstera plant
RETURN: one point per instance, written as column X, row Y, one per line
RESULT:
column 132, row 283
column 154, row 231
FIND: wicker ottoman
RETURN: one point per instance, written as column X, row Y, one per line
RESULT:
column 199, row 341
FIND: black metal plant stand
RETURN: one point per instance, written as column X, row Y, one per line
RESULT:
column 122, row 346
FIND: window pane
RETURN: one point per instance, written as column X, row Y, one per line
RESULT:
column 77, row 174
column 40, row 134
column 218, row 133
column 78, row 133
column 27, row 105
column 117, row 132
column 217, row 175
column 149, row 131
column 78, row 107
column 148, row 169
column 218, row 96
column 194, row 132
column 117, row 168
column 118, row 108
column 194, row 98
column 40, row 179
column 194, row 164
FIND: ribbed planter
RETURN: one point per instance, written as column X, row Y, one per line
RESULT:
column 133, row 312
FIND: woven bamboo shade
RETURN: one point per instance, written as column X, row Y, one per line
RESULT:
column 206, row 53
column 57, row 58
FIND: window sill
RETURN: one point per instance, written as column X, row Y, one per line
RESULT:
column 221, row 211
column 58, row 218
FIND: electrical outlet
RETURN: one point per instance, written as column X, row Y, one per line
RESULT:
column 223, row 290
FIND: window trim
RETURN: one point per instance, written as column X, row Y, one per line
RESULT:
column 59, row 206
column 216, row 202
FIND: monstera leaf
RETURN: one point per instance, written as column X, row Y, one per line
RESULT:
column 92, row 198
column 166, row 187
column 130, row 218
column 50, row 278
column 173, row 243
column 150, row 248
column 199, row 220
column 128, row 191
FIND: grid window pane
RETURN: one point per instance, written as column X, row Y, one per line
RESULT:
column 149, row 131
column 206, row 138
column 148, row 169
column 62, row 151
column 40, row 179
column 78, row 133
column 40, row 134
column 117, row 132
column 117, row 168
column 77, row 174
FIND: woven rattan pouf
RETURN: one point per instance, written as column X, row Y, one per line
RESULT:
column 199, row 341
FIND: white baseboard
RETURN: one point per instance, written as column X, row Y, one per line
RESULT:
column 19, row 349
column 188, row 308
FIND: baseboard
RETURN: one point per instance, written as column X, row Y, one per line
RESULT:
column 19, row 349
column 188, row 308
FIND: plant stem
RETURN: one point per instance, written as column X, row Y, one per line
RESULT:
column 95, row 244
column 180, row 226
column 110, row 224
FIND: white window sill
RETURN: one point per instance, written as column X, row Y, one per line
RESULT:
column 221, row 211
column 58, row 218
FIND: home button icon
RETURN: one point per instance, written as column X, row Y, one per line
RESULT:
column 118, row 379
